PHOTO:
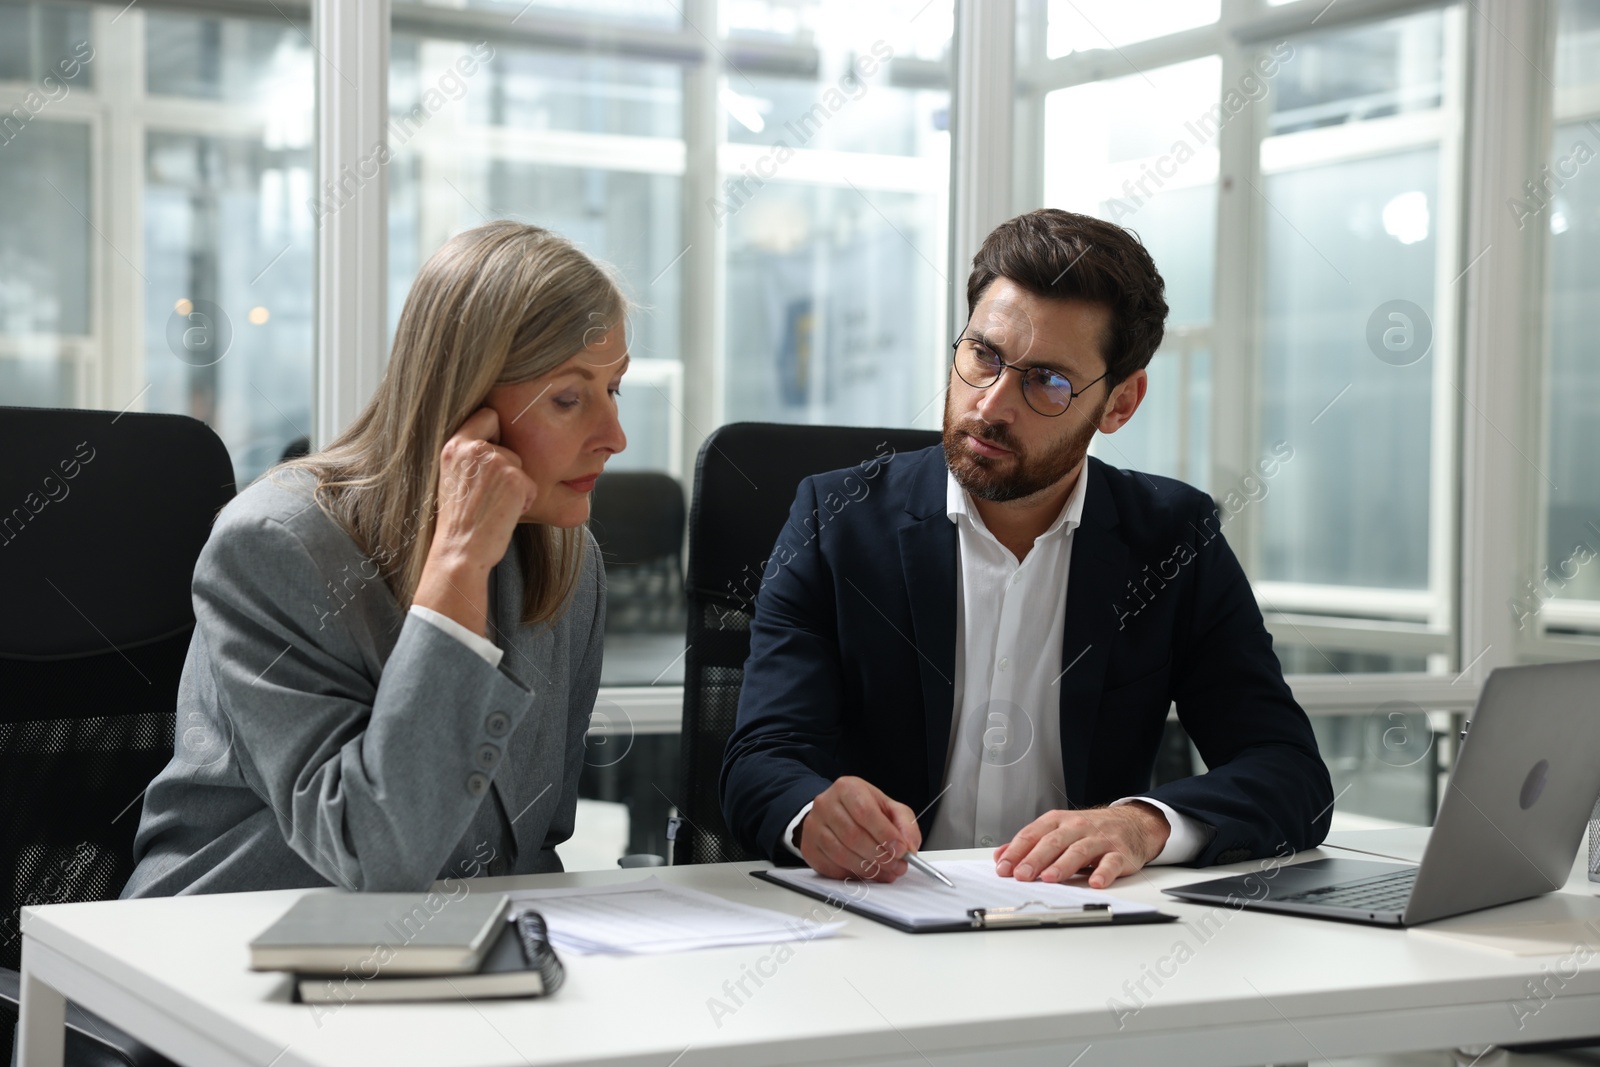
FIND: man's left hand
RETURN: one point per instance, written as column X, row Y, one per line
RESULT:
column 1114, row 841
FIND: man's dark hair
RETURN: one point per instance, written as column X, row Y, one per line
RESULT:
column 1063, row 256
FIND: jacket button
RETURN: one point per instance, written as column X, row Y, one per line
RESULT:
column 477, row 784
column 498, row 724
column 488, row 756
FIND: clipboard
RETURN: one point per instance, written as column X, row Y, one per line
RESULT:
column 1032, row 915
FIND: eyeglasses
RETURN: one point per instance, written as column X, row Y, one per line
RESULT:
column 1046, row 391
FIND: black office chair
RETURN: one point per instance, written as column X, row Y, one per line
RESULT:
column 300, row 446
column 745, row 481
column 102, row 517
column 637, row 519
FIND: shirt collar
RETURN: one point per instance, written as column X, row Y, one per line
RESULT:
column 958, row 504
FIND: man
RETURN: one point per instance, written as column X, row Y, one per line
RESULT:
column 983, row 649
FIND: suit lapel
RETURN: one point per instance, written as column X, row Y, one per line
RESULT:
column 928, row 561
column 1098, row 569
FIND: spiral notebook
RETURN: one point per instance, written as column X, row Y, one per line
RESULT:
column 520, row 963
column 981, row 900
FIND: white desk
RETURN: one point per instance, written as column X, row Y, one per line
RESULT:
column 1257, row 989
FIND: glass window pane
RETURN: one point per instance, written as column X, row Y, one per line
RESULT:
column 1347, row 224
column 1083, row 25
column 1361, row 74
column 37, row 375
column 776, row 18
column 1341, row 240
column 1169, row 435
column 1141, row 151
column 833, row 203
column 628, row 219
column 36, row 39
column 1387, row 764
column 1572, row 373
column 869, row 115
column 228, row 238
column 451, row 172
column 225, row 273
column 1573, row 376
column 228, row 321
column 46, row 261
column 532, row 90
column 915, row 29
column 244, row 61
column 45, row 255
column 831, row 314
column 1577, row 43
column 1350, row 257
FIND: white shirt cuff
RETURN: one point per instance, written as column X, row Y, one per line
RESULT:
column 481, row 645
column 1188, row 835
column 794, row 824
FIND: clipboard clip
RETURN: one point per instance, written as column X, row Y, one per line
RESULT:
column 1038, row 913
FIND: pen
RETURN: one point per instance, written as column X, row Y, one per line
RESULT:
column 927, row 868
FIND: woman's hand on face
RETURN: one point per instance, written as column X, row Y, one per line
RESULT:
column 483, row 492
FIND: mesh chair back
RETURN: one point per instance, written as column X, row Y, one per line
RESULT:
column 1594, row 844
column 745, row 482
column 102, row 517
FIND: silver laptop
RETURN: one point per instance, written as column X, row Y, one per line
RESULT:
column 1510, row 826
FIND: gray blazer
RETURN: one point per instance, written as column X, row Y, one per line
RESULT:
column 325, row 736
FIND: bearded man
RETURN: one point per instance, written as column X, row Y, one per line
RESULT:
column 984, row 650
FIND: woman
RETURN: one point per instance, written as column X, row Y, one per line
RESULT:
column 397, row 641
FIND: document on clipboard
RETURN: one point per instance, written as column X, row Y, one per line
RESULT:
column 981, row 900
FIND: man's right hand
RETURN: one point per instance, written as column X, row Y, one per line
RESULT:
column 855, row 831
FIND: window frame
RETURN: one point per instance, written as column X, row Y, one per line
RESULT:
column 1558, row 107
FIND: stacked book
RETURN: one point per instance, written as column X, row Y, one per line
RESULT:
column 377, row 947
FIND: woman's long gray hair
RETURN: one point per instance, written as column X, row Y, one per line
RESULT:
column 498, row 304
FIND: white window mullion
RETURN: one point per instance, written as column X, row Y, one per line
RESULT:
column 352, row 46
column 981, row 123
column 1235, row 360
column 703, row 267
column 1507, row 141
column 1448, row 288
column 118, row 380
column 1027, row 181
column 1100, row 64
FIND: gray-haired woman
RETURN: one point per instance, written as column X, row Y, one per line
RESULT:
column 398, row 639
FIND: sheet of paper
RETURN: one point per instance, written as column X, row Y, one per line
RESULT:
column 918, row 900
column 650, row 916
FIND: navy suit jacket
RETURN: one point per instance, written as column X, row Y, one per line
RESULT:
column 852, row 660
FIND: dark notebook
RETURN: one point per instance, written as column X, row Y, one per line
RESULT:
column 520, row 963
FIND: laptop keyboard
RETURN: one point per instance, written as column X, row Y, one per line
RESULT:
column 1388, row 892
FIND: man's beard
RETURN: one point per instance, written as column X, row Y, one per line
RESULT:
column 1020, row 474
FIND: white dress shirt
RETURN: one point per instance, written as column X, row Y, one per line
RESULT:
column 1003, row 767
column 477, row 642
